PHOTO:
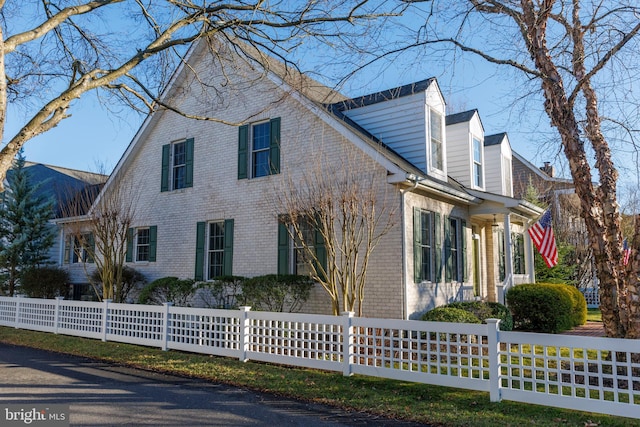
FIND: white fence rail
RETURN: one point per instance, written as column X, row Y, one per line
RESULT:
column 584, row 373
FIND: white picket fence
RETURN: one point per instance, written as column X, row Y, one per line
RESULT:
column 584, row 373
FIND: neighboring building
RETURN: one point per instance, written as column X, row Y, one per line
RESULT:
column 61, row 185
column 205, row 191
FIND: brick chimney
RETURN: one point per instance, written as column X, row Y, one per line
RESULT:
column 548, row 169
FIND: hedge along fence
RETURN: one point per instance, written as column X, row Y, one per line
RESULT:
column 546, row 307
column 583, row 373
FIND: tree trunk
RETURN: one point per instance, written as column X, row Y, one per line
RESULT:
column 602, row 233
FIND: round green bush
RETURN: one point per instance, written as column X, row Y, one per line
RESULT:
column 579, row 304
column 541, row 307
column 484, row 310
column 45, row 282
column 450, row 314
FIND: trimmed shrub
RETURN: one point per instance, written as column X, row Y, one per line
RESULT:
column 45, row 282
column 223, row 292
column 168, row 289
column 487, row 310
column 450, row 314
column 579, row 304
column 541, row 307
column 276, row 292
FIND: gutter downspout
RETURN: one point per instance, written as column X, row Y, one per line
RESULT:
column 416, row 181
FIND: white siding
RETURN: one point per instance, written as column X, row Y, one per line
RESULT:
column 498, row 171
column 400, row 124
column 460, row 151
column 403, row 125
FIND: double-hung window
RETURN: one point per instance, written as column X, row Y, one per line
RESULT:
column 437, row 140
column 214, row 249
column 455, row 250
column 426, row 246
column 141, row 244
column 78, row 249
column 477, row 163
column 177, row 165
column 259, row 149
column 301, row 249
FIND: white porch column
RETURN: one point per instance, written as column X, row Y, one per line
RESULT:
column 508, row 252
column 529, row 254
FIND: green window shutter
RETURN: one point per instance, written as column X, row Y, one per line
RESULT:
column 129, row 257
column 448, row 265
column 417, row 249
column 437, row 234
column 243, row 151
column 283, row 248
column 321, row 252
column 166, row 151
column 153, row 242
column 274, row 147
column 464, row 250
column 200, row 240
column 228, row 248
column 189, row 163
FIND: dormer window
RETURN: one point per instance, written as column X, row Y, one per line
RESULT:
column 477, row 163
column 437, row 155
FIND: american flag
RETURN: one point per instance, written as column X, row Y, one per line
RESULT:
column 544, row 240
column 627, row 251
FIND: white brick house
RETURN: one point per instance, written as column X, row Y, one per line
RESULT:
column 205, row 189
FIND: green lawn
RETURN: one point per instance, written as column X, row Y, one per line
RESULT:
column 428, row 404
column 594, row 315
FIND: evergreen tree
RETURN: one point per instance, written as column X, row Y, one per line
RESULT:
column 25, row 232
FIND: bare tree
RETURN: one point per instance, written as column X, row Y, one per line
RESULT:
column 343, row 206
column 130, row 48
column 98, row 233
column 570, row 49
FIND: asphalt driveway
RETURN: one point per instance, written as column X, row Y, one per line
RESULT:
column 100, row 394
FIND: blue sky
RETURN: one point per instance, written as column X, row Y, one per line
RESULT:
column 94, row 136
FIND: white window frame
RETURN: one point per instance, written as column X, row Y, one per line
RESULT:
column 174, row 167
column 298, row 264
column 430, row 244
column 74, row 243
column 214, row 251
column 478, row 168
column 138, row 244
column 253, row 151
column 436, row 156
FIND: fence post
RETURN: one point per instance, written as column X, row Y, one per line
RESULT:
column 56, row 315
column 165, row 325
column 493, row 340
column 347, row 343
column 18, row 299
column 244, row 332
column 105, row 319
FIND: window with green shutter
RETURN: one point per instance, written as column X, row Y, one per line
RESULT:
column 455, row 248
column 295, row 251
column 259, row 149
column 214, row 249
column 423, row 245
column 177, row 165
column 142, row 244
